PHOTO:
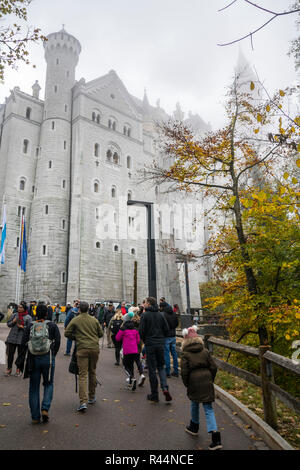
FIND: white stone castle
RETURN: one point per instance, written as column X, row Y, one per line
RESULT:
column 69, row 164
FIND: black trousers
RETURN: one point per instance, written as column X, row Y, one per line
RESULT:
column 155, row 358
column 10, row 351
column 128, row 363
column 118, row 347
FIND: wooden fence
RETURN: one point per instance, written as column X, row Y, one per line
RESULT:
column 265, row 380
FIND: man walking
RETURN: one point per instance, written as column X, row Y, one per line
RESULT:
column 72, row 312
column 86, row 331
column 153, row 331
column 170, row 341
column 43, row 340
column 108, row 314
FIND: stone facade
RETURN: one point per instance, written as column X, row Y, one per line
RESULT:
column 72, row 162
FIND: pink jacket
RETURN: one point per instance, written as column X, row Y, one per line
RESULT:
column 130, row 339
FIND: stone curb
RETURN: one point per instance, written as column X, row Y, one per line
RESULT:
column 262, row 429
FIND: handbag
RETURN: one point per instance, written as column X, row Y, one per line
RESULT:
column 73, row 366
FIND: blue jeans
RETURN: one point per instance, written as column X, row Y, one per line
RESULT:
column 69, row 346
column 211, row 424
column 170, row 346
column 41, row 369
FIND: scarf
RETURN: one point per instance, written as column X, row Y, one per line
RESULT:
column 21, row 317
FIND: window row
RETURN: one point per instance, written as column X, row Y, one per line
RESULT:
column 112, row 156
column 116, row 248
column 113, row 191
column 112, row 123
column 23, row 181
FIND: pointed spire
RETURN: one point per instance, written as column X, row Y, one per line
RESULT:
column 178, row 114
column 146, row 105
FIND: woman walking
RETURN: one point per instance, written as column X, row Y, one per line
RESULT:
column 130, row 340
column 198, row 372
column 17, row 322
column 114, row 326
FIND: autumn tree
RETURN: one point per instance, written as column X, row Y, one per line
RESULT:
column 255, row 207
column 15, row 37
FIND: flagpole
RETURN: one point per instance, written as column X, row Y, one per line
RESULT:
column 2, row 215
column 18, row 265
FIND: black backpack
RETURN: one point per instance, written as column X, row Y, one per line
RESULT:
column 115, row 326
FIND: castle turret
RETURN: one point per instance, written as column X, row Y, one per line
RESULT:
column 49, row 223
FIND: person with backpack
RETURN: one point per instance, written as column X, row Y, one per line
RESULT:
column 130, row 339
column 86, row 331
column 42, row 339
column 114, row 326
column 198, row 371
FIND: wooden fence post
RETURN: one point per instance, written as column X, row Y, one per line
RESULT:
column 267, row 377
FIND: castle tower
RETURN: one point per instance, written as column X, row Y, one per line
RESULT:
column 49, row 221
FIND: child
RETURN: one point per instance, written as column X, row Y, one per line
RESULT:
column 198, row 372
column 130, row 339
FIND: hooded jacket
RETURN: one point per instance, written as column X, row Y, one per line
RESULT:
column 130, row 338
column 198, row 370
column 154, row 327
column 171, row 318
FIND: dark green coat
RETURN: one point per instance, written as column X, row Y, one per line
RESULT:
column 198, row 371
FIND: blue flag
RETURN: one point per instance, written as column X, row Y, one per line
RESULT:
column 3, row 236
column 23, row 247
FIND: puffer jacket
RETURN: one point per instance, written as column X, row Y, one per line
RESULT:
column 198, row 371
column 171, row 318
column 16, row 334
column 130, row 338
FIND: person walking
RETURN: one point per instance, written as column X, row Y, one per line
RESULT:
column 153, row 331
column 136, row 319
column 114, row 326
column 17, row 323
column 198, row 371
column 108, row 314
column 124, row 309
column 130, row 339
column 42, row 338
column 170, row 341
column 71, row 314
column 57, row 312
column 86, row 331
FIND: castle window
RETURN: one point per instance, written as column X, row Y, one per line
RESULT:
column 63, row 224
column 63, row 278
column 44, row 250
column 98, row 245
column 114, row 125
column 66, row 108
column 25, row 146
column 53, row 125
column 97, row 213
column 96, row 150
column 116, row 248
column 156, row 191
column 98, row 118
column 128, row 162
column 37, row 152
column 65, row 144
column 18, row 242
column 55, row 89
column 113, row 192
column 57, row 61
column 46, row 210
column 132, row 251
column 96, row 187
column 131, row 221
column 93, row 116
column 33, row 188
column 129, row 196
column 50, row 164
column 124, row 130
column 116, row 158
column 129, row 132
column 109, row 155
column 28, row 113
column 63, row 184
column 22, row 184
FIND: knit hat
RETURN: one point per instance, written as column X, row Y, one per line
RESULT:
column 128, row 316
column 190, row 332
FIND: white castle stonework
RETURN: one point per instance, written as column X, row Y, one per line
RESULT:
column 70, row 163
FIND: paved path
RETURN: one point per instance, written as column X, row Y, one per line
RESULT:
column 120, row 420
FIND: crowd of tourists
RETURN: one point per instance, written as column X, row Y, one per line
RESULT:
column 143, row 336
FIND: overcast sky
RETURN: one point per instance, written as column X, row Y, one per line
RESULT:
column 168, row 47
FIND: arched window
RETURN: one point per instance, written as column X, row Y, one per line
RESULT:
column 116, row 158
column 98, row 245
column 113, row 192
column 93, row 116
column 128, row 162
column 129, row 196
column 28, row 113
column 96, row 150
column 96, row 186
column 22, row 184
column 114, row 125
column 110, row 123
column 129, row 132
column 116, row 248
column 98, row 118
column 47, row 210
column 109, row 155
column 25, row 146
column 132, row 251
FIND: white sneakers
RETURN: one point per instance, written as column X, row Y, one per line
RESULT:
column 141, row 380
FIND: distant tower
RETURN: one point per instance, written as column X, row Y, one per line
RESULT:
column 49, row 221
